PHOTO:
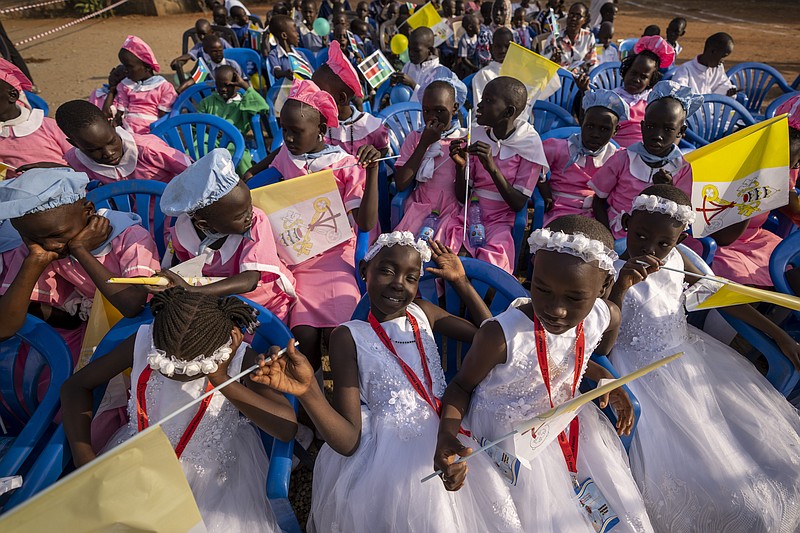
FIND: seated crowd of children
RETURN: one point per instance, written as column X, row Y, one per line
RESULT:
column 698, row 460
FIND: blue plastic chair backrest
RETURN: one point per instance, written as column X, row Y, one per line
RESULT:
column 136, row 196
column 483, row 277
column 756, row 80
column 719, row 116
column 775, row 104
column 470, row 97
column 36, row 347
column 400, row 120
column 264, row 178
column 565, row 96
column 37, row 102
column 606, row 76
column 190, row 98
column 249, row 60
column 196, row 134
column 786, row 254
column 560, row 133
column 626, row 47
column 320, row 58
column 546, row 116
column 796, row 83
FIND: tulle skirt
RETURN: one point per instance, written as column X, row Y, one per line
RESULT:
column 717, row 447
column 378, row 488
column 544, row 495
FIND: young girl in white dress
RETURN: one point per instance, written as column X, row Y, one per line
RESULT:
column 717, row 447
column 501, row 383
column 222, row 455
column 387, row 381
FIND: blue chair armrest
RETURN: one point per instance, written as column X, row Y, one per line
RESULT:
column 258, row 134
column 603, row 361
column 280, row 470
column 397, row 208
column 781, row 373
column 538, row 209
column 362, row 245
column 709, row 249
column 51, row 462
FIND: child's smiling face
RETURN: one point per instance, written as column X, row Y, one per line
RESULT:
column 392, row 280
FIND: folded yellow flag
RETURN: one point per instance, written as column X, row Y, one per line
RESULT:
column 539, row 75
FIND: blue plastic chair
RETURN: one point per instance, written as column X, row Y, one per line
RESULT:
column 197, row 134
column 560, row 133
column 140, row 197
column 191, row 97
column 565, row 96
column 606, row 76
column 773, row 107
column 546, row 116
column 796, row 83
column 400, row 120
column 718, row 117
column 271, row 331
column 29, row 422
column 37, row 102
column 272, row 118
column 320, row 58
column 250, row 61
column 756, row 80
column 786, row 254
column 626, row 47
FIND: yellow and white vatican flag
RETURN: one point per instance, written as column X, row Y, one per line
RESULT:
column 740, row 176
column 540, row 75
column 307, row 215
column 428, row 16
column 137, row 486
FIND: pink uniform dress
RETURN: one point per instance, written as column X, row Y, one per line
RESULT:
column 630, row 131
column 31, row 138
column 144, row 157
column 625, row 175
column 521, row 159
column 434, row 190
column 98, row 98
column 327, row 293
column 66, row 285
column 571, row 192
column 240, row 253
column 141, row 102
column 359, row 130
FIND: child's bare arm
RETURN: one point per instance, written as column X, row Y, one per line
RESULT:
column 611, row 332
column 600, row 210
column 451, row 270
column 487, row 351
column 268, row 409
column 240, row 283
column 14, row 303
column 547, row 194
column 128, row 299
column 459, row 156
column 515, row 199
column 77, row 400
column 366, row 215
column 748, row 314
column 618, row 398
column 291, row 373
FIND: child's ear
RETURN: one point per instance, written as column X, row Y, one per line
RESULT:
column 609, row 281
column 511, row 111
column 89, row 209
column 200, row 223
column 323, row 129
column 343, row 99
column 616, row 129
column 681, row 132
column 13, row 95
column 362, row 270
column 236, row 338
column 624, row 220
column 682, row 237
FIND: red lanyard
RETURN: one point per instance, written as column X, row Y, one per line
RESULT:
column 430, row 399
column 144, row 420
column 569, row 446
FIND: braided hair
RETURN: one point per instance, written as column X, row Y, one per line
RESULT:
column 190, row 324
column 627, row 63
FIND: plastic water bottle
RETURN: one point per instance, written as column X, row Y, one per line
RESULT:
column 429, row 226
column 477, row 233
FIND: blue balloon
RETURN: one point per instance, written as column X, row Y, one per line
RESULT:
column 400, row 93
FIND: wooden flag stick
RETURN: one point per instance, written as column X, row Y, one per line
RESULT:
column 466, row 173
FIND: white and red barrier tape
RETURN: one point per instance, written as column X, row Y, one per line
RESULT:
column 69, row 24
column 30, row 6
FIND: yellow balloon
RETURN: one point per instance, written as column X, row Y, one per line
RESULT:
column 399, row 44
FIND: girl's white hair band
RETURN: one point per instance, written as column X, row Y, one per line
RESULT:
column 575, row 244
column 657, row 204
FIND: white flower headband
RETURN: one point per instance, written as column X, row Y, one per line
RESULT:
column 576, row 244
column 403, row 238
column 657, row 204
column 170, row 365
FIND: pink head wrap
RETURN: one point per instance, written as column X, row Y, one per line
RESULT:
column 343, row 68
column 657, row 45
column 142, row 50
column 13, row 76
column 791, row 106
column 309, row 93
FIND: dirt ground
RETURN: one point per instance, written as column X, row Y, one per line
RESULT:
column 70, row 63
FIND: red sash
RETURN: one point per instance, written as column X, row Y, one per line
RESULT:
column 144, row 420
column 569, row 446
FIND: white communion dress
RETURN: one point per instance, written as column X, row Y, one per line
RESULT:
column 717, row 447
column 378, row 489
column 515, row 391
column 224, row 460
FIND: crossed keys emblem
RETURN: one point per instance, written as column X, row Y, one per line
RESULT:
column 749, row 195
column 297, row 235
